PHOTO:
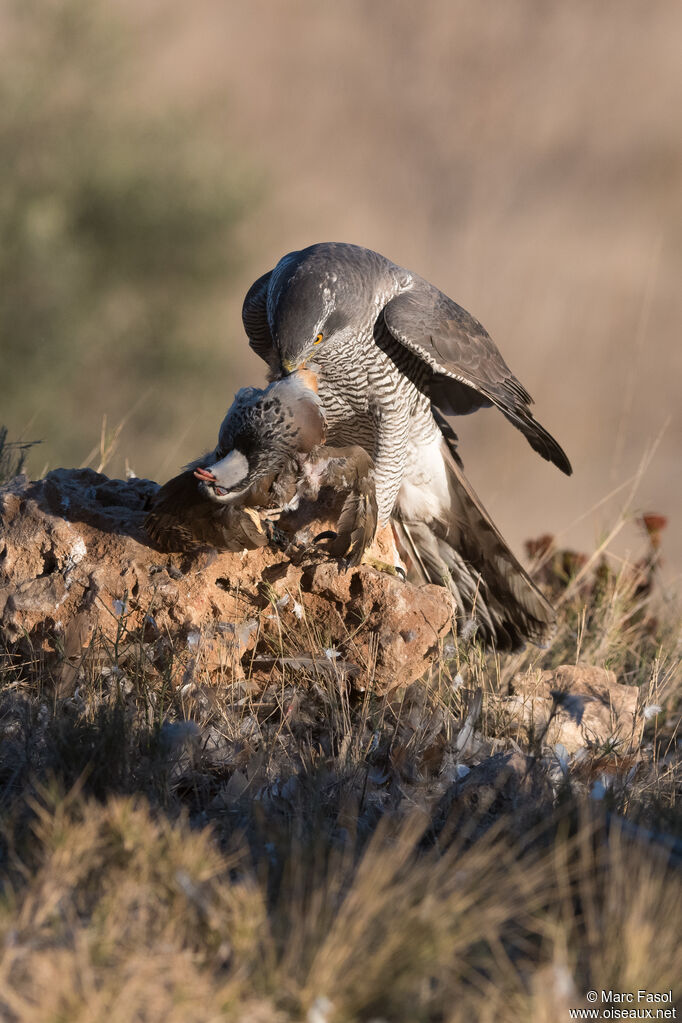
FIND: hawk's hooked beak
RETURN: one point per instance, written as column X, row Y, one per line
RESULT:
column 290, row 367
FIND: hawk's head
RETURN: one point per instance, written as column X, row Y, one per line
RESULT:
column 315, row 305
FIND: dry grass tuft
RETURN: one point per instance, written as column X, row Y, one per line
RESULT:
column 124, row 915
column 178, row 848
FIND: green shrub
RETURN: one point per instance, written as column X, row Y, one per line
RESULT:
column 117, row 230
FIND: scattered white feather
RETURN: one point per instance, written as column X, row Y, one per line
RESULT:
column 111, row 672
column 77, row 552
column 468, row 630
column 319, row 1011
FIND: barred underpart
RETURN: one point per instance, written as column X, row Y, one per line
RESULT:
column 392, row 353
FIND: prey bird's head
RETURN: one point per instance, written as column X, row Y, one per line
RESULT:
column 227, row 472
column 226, row 479
column 261, row 435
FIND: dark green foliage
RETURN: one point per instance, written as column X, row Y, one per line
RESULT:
column 117, row 229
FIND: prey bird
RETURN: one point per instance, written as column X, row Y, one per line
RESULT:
column 270, row 454
column 393, row 356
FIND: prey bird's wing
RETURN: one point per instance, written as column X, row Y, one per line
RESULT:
column 351, row 469
column 255, row 320
column 172, row 512
column 180, row 518
column 468, row 371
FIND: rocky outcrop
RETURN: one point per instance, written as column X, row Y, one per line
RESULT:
column 78, row 574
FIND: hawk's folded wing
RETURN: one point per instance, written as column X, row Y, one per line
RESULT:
column 468, row 371
column 255, row 320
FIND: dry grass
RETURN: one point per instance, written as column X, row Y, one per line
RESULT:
column 122, row 914
column 178, row 848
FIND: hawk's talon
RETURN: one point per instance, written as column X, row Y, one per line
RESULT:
column 384, row 566
column 348, row 556
column 328, row 534
column 255, row 517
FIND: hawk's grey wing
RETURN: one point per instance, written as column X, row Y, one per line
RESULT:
column 468, row 371
column 255, row 320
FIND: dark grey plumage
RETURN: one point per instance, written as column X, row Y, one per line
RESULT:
column 270, row 453
column 389, row 350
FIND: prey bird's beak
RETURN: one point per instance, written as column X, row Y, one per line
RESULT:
column 204, row 474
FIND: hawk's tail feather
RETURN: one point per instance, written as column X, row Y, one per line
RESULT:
column 538, row 437
column 463, row 548
column 438, row 562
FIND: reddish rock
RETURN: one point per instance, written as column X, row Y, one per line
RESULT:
column 78, row 572
column 577, row 706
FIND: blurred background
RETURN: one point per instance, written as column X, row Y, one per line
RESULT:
column 156, row 157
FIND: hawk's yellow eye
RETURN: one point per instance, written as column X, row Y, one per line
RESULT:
column 318, row 339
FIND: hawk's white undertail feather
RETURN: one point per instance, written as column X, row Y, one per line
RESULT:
column 451, row 538
column 405, row 538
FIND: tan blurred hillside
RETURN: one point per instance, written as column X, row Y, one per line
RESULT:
column 525, row 157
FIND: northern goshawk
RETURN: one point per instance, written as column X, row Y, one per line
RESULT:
column 393, row 355
column 270, row 452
